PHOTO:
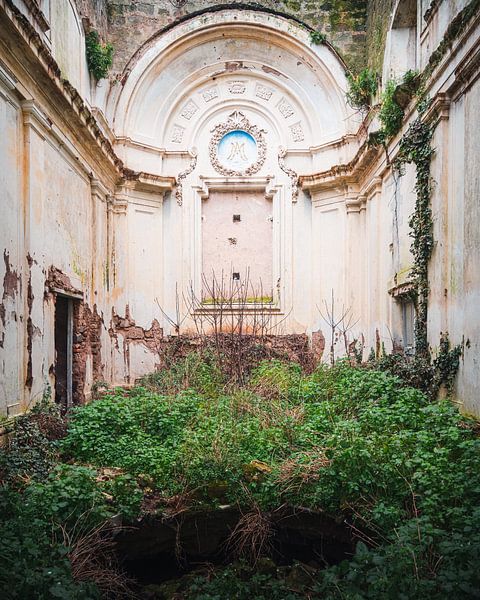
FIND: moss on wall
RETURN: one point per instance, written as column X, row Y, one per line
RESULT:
column 342, row 21
column 379, row 13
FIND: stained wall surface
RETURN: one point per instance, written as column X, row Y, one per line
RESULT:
column 118, row 194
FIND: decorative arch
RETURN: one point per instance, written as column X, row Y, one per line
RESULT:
column 233, row 70
column 230, row 56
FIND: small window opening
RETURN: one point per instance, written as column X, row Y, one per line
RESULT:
column 236, row 276
column 408, row 326
column 236, row 218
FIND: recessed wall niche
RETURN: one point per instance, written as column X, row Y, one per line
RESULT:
column 237, row 255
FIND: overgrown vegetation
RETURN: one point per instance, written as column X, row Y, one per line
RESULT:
column 362, row 89
column 317, row 37
column 355, row 443
column 99, row 56
column 390, row 114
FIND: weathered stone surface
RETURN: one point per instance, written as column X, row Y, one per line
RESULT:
column 133, row 23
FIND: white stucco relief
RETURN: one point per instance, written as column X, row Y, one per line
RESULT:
column 260, row 106
column 237, row 147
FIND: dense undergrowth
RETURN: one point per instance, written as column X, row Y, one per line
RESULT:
column 399, row 469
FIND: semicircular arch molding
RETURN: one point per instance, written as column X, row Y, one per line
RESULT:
column 186, row 107
column 242, row 57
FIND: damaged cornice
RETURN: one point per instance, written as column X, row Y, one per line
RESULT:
column 42, row 54
column 351, row 172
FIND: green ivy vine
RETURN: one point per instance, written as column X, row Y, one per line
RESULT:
column 99, row 56
column 416, row 148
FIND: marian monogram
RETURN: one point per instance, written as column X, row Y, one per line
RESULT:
column 237, row 147
column 237, row 150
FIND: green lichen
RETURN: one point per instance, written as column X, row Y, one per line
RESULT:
column 378, row 20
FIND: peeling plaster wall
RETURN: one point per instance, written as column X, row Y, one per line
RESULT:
column 54, row 234
column 125, row 242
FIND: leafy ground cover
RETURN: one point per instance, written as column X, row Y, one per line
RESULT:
column 400, row 470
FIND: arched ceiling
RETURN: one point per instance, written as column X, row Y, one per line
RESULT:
column 191, row 76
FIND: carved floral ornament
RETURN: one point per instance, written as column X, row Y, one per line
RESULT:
column 246, row 153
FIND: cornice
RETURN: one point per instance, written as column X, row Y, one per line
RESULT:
column 67, row 92
column 147, row 182
column 351, row 172
column 37, row 14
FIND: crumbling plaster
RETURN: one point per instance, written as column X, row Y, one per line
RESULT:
column 94, row 210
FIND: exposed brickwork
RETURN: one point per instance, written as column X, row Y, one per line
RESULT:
column 57, row 280
column 87, row 330
column 11, row 279
column 132, row 23
column 132, row 333
column 294, row 347
column 318, row 345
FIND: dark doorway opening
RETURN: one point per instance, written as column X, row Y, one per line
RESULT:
column 63, row 351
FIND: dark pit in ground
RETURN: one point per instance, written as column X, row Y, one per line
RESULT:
column 159, row 549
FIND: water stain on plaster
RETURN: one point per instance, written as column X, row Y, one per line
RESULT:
column 11, row 286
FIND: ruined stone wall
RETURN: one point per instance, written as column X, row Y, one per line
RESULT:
column 94, row 14
column 132, row 23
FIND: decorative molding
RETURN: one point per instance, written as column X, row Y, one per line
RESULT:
column 237, row 87
column 228, row 184
column 294, row 178
column 148, row 182
column 286, row 109
column 177, row 134
column 189, row 110
column 353, row 202
column 143, row 188
column 37, row 14
column 353, row 171
column 210, row 94
column 263, row 92
column 373, row 188
column 183, row 175
column 34, row 117
column 467, row 72
column 68, row 97
column 403, row 291
column 297, row 132
column 7, row 77
column 238, row 121
column 98, row 190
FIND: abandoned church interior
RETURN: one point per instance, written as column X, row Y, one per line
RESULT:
column 169, row 160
